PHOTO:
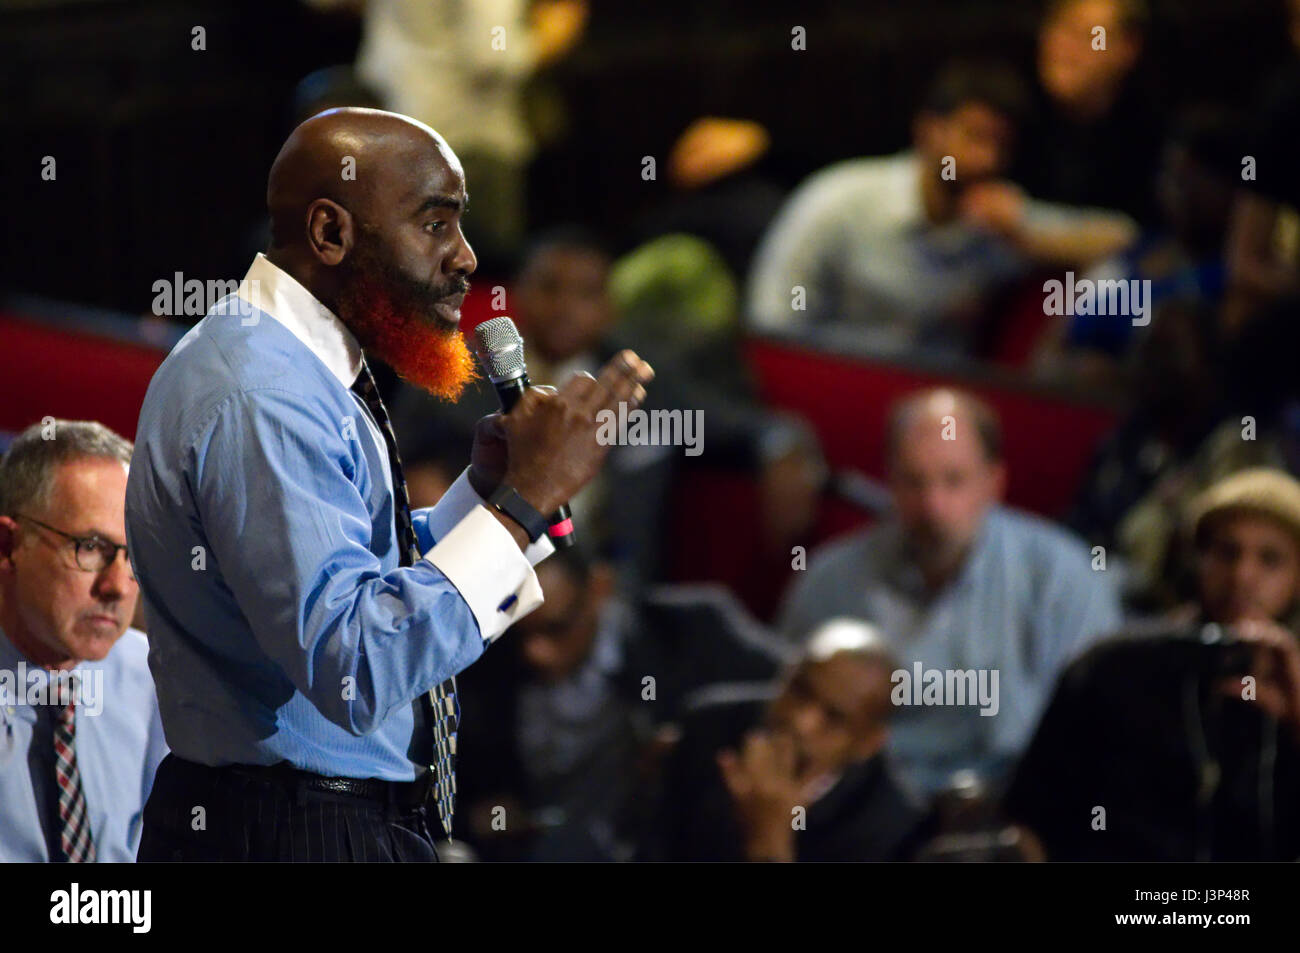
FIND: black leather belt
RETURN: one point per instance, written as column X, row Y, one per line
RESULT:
column 408, row 794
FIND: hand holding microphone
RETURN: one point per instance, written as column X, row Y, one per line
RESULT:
column 543, row 446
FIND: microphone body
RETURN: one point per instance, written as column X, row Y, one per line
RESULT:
column 502, row 354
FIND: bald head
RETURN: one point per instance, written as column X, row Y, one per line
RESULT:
column 929, row 409
column 945, row 472
column 354, row 157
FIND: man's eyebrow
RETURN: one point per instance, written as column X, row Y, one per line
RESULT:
column 450, row 202
column 97, row 534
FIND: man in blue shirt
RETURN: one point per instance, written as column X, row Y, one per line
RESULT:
column 982, row 604
column 301, row 614
column 80, row 736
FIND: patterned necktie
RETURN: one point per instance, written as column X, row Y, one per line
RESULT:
column 440, row 706
column 75, row 842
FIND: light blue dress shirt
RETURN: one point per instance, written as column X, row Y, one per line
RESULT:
column 1025, row 602
column 118, row 741
column 259, row 516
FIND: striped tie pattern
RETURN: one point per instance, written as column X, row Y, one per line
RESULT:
column 440, row 707
column 75, row 841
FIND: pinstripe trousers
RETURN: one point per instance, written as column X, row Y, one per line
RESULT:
column 199, row 813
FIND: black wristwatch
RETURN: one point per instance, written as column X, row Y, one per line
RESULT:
column 520, row 510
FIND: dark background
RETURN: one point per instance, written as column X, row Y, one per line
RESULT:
column 162, row 151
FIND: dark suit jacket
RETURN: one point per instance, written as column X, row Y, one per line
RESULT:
column 686, row 637
column 1135, row 729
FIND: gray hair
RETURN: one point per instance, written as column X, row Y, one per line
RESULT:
column 27, row 469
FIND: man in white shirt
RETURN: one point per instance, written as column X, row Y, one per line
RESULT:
column 902, row 252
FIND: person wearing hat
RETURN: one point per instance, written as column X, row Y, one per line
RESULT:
column 1180, row 739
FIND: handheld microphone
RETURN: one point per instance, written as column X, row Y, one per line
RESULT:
column 501, row 351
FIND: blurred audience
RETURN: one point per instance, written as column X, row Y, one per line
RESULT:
column 903, row 252
column 1095, row 136
column 562, row 301
column 957, row 581
column 795, row 772
column 1182, row 258
column 1203, row 409
column 462, row 68
column 564, row 717
column 1180, row 740
column 434, row 455
column 80, row 734
column 1138, row 482
column 722, row 194
column 1263, row 250
column 970, row 827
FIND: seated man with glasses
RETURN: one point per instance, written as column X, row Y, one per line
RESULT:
column 80, row 734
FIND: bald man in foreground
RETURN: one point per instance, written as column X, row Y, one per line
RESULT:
column 306, row 625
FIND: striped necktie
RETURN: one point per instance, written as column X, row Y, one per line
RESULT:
column 439, row 707
column 76, row 846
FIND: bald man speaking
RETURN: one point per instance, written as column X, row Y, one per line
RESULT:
column 305, row 624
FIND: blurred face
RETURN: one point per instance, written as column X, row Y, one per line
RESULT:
column 56, row 613
column 1194, row 200
column 977, row 137
column 556, row 637
column 942, row 488
column 1071, row 71
column 1249, row 569
column 563, row 299
column 832, row 711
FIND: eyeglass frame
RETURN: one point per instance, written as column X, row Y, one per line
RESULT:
column 77, row 542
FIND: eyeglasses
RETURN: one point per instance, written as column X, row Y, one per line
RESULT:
column 93, row 553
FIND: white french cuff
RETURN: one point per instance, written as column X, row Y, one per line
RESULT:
column 482, row 560
column 484, row 563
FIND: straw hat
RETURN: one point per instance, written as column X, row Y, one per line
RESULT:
column 1261, row 490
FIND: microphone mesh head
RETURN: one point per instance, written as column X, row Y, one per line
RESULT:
column 500, row 348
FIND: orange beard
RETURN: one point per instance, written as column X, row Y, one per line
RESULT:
column 409, row 337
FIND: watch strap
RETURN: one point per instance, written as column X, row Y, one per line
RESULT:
column 509, row 502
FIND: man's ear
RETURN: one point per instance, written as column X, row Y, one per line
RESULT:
column 8, row 540
column 330, row 231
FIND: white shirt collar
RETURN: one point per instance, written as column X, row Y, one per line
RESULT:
column 275, row 291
